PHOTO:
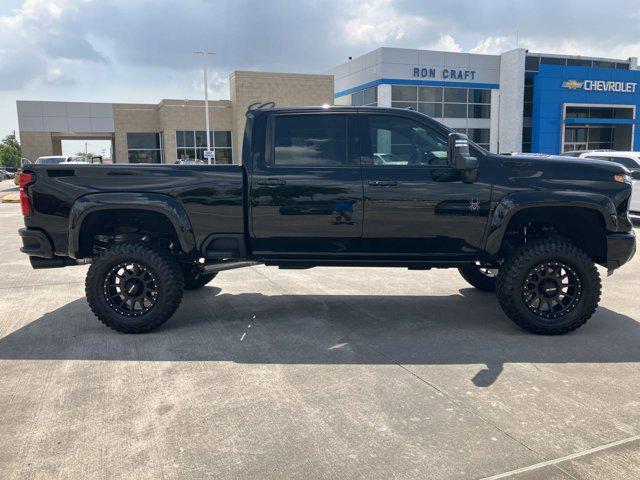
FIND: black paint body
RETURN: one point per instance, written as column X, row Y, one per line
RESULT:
column 357, row 214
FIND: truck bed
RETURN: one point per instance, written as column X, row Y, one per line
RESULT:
column 211, row 195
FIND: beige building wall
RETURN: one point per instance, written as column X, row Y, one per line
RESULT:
column 189, row 115
column 285, row 89
column 36, row 144
column 132, row 118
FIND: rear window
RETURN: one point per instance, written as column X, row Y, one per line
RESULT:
column 310, row 140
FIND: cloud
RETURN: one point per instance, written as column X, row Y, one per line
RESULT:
column 493, row 45
column 37, row 37
column 55, row 77
column 379, row 23
column 445, row 43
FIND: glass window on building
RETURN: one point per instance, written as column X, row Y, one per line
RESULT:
column 454, row 110
column 431, row 109
column 553, row 61
column 579, row 62
column 479, row 111
column 603, row 64
column 430, row 94
column 367, row 97
column 531, row 64
column 144, row 147
column 191, row 145
column 455, row 95
column 479, row 136
column 479, row 95
column 404, row 93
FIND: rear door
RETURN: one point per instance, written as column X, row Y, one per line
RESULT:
column 306, row 190
column 415, row 204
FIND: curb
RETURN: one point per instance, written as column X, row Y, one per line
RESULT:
column 11, row 198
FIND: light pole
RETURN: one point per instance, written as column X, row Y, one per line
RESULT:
column 204, row 55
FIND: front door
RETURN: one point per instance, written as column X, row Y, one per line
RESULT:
column 415, row 204
column 306, row 193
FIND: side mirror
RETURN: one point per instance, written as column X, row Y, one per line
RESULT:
column 460, row 158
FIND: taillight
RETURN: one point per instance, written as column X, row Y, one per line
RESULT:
column 25, row 202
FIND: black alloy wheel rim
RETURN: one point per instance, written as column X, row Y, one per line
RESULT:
column 131, row 289
column 551, row 290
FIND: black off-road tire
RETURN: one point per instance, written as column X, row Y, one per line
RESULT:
column 476, row 277
column 514, row 283
column 167, row 281
column 194, row 279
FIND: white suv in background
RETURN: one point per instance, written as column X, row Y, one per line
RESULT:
column 631, row 160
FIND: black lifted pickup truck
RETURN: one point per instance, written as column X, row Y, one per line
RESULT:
column 337, row 186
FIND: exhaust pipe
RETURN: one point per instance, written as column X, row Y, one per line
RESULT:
column 219, row 267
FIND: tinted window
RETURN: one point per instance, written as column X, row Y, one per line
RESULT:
column 222, row 139
column 399, row 141
column 553, row 61
column 143, row 140
column 404, row 93
column 457, row 95
column 531, row 63
column 477, row 95
column 431, row 109
column 310, row 140
column 430, row 94
column 479, row 111
column 455, row 110
column 185, row 138
column 578, row 62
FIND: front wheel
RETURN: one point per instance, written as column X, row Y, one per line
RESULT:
column 549, row 287
column 133, row 288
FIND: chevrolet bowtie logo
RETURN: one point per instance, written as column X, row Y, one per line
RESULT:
column 572, row 84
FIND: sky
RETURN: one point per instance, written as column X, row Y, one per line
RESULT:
column 141, row 50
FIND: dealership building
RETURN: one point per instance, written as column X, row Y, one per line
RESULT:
column 517, row 101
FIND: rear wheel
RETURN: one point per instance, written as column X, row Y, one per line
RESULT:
column 482, row 278
column 133, row 288
column 549, row 287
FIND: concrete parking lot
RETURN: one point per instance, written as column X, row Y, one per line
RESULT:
column 324, row 373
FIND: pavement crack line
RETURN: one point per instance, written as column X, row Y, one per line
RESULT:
column 566, row 458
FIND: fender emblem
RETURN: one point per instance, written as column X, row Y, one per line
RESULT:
column 474, row 205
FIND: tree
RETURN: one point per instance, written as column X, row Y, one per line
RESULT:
column 10, row 152
column 89, row 155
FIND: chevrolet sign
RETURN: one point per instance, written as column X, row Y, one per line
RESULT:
column 601, row 86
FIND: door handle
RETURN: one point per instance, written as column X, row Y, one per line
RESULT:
column 271, row 181
column 383, row 183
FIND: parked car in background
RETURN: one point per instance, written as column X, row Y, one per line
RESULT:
column 5, row 175
column 51, row 160
column 631, row 160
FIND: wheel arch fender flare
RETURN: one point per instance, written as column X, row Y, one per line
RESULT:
column 168, row 206
column 517, row 202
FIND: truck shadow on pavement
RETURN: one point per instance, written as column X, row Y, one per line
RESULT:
column 464, row 328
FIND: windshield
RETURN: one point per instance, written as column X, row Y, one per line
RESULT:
column 49, row 160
